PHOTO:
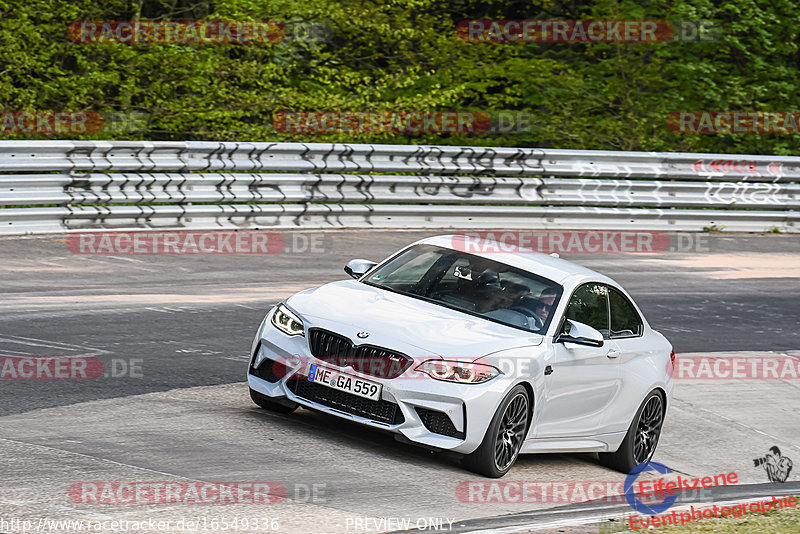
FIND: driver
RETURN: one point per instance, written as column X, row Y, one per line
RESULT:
column 538, row 309
column 542, row 311
column 545, row 303
column 548, row 296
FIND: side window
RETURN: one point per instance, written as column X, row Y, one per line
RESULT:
column 625, row 322
column 589, row 305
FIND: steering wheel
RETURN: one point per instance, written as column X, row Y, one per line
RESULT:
column 537, row 322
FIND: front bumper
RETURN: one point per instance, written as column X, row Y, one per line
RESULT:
column 429, row 412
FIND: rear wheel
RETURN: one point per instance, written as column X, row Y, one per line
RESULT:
column 503, row 440
column 641, row 440
column 275, row 405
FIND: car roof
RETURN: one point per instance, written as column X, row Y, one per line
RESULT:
column 486, row 246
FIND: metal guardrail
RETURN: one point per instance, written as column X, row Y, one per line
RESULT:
column 61, row 186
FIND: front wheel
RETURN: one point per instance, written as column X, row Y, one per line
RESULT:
column 503, row 440
column 641, row 440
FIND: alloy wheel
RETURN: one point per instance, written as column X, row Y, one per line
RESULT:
column 648, row 430
column 511, row 432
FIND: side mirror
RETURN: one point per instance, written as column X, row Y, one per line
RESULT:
column 358, row 268
column 581, row 334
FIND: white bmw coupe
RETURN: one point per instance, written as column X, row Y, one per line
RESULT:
column 488, row 354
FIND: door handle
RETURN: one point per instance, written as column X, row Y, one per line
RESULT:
column 612, row 353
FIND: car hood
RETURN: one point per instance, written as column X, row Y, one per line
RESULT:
column 413, row 326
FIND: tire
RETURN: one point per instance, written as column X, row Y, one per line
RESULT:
column 641, row 440
column 495, row 455
column 274, row 405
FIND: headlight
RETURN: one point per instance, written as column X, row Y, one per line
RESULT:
column 461, row 372
column 287, row 322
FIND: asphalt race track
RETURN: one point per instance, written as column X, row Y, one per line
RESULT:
column 173, row 334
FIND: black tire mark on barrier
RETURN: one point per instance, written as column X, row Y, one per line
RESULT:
column 341, row 183
column 367, row 181
column 147, row 151
column 214, row 154
column 314, row 193
column 427, row 186
column 250, row 157
column 368, row 158
column 304, row 155
column 324, row 160
column 267, row 148
column 346, row 157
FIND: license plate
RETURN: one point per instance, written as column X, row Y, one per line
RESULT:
column 342, row 382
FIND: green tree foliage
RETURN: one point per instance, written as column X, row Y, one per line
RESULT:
column 357, row 55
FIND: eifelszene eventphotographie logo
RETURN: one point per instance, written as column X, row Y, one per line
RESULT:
column 777, row 466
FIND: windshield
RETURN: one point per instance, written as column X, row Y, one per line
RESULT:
column 471, row 284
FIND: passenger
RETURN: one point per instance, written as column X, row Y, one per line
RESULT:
column 515, row 292
column 495, row 298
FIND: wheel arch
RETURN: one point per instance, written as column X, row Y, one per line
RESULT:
column 662, row 394
column 664, row 398
column 531, row 398
column 657, row 389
